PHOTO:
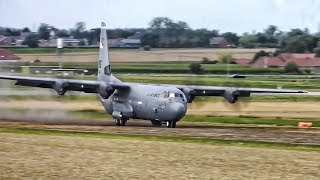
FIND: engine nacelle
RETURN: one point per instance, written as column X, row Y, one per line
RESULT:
column 231, row 96
column 189, row 93
column 60, row 87
column 105, row 91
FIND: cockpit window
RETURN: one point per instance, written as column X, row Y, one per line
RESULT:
column 172, row 95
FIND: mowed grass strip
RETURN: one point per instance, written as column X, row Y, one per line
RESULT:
column 243, row 120
column 176, row 139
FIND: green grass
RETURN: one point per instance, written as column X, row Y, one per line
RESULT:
column 49, row 50
column 247, row 120
column 304, row 83
column 180, row 67
column 177, row 139
column 241, row 120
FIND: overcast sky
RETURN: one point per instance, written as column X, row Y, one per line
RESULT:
column 226, row 15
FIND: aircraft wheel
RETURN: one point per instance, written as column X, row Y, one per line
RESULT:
column 173, row 124
column 156, row 123
column 118, row 122
column 169, row 124
column 123, row 122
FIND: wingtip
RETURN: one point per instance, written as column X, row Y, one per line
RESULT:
column 303, row 91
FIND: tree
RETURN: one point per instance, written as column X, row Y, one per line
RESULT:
column 260, row 54
column 80, row 26
column 62, row 33
column 271, row 30
column 31, row 41
column 248, row 41
column 44, row 31
column 296, row 44
column 225, row 58
column 12, row 32
column 78, row 31
column 291, row 67
column 317, row 51
column 160, row 23
column 196, row 68
column 232, row 38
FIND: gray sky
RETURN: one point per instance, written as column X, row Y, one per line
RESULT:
column 226, row 15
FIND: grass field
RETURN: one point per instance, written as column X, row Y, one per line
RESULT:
column 129, row 55
column 285, row 82
column 54, row 154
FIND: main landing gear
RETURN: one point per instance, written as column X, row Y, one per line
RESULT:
column 171, row 124
column 156, row 123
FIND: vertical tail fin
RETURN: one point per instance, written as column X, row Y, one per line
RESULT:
column 104, row 68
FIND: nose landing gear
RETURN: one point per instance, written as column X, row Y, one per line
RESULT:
column 119, row 119
column 121, row 122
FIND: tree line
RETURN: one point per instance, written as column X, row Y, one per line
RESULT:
column 163, row 32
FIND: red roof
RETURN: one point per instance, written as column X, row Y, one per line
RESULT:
column 296, row 56
column 243, row 61
column 7, row 55
column 302, row 60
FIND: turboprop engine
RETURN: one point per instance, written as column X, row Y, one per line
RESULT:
column 60, row 87
column 189, row 93
column 105, row 91
column 231, row 96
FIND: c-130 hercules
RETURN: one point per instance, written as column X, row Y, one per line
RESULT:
column 159, row 103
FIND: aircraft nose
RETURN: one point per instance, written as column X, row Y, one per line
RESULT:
column 179, row 110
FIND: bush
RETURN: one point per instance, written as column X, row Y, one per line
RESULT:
column 205, row 60
column 291, row 67
column 317, row 51
column 277, row 53
column 196, row 68
column 225, row 58
column 260, row 54
column 31, row 41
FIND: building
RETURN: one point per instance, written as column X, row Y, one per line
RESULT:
column 67, row 42
column 7, row 56
column 6, row 41
column 131, row 43
column 219, row 42
column 124, row 43
column 303, row 61
column 114, row 43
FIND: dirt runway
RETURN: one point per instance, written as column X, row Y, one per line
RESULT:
column 252, row 133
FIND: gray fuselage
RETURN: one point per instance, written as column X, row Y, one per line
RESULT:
column 148, row 102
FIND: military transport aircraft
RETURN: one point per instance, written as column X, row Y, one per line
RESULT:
column 158, row 103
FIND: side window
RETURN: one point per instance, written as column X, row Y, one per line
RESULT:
column 107, row 70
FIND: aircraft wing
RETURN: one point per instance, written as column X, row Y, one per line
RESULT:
column 62, row 85
column 231, row 94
